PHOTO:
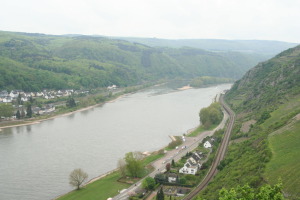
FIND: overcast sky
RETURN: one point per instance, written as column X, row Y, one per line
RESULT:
column 173, row 19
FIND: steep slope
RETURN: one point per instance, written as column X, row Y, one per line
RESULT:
column 267, row 104
column 90, row 62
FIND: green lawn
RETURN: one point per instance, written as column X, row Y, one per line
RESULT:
column 105, row 187
column 151, row 158
column 201, row 129
column 285, row 163
column 101, row 189
column 284, row 110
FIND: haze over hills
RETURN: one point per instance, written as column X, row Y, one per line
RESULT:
column 263, row 47
column 265, row 140
column 34, row 62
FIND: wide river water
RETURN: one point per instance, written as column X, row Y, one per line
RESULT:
column 36, row 160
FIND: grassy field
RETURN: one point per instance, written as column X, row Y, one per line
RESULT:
column 105, row 187
column 288, row 107
column 101, row 189
column 152, row 158
column 201, row 129
column 285, row 163
column 285, row 146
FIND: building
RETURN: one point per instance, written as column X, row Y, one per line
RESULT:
column 192, row 165
column 172, row 178
column 189, row 169
column 207, row 144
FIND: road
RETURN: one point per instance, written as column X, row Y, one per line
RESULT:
column 191, row 143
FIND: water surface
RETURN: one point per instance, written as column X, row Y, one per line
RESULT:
column 36, row 160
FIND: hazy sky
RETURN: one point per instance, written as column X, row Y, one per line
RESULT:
column 173, row 19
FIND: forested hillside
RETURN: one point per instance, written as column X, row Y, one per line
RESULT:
column 265, row 140
column 33, row 62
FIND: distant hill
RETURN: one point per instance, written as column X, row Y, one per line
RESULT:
column 263, row 47
column 34, row 62
column 265, row 140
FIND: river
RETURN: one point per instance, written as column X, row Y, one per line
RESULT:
column 36, row 160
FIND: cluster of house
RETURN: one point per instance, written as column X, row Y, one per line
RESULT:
column 35, row 109
column 192, row 164
column 43, row 110
column 6, row 97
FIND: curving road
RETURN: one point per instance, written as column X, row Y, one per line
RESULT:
column 190, row 143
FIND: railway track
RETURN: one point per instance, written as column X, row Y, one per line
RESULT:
column 220, row 154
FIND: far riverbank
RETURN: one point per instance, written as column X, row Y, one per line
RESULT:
column 37, row 120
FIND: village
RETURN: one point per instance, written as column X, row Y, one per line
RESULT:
column 19, row 99
column 9, row 97
column 181, row 176
column 43, row 102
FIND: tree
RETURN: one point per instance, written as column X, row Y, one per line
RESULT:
column 77, row 177
column 29, row 111
column 160, row 177
column 182, row 180
column 19, row 99
column 211, row 115
column 6, row 110
column 133, row 164
column 148, row 183
column 71, row 102
column 173, row 163
column 245, row 192
column 31, row 100
column 18, row 115
column 160, row 194
column 168, row 167
column 122, row 167
column 22, row 113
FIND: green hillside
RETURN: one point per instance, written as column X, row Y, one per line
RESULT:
column 265, row 139
column 34, row 62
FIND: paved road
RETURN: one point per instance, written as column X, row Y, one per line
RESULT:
column 191, row 143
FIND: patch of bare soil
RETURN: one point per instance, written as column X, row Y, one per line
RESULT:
column 246, row 125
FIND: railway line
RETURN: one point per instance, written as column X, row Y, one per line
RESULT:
column 220, row 154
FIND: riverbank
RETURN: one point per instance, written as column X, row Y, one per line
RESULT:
column 39, row 120
column 31, row 121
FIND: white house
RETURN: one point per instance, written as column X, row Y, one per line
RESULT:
column 14, row 94
column 113, row 87
column 7, row 99
column 172, row 178
column 24, row 99
column 189, row 169
column 207, row 144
